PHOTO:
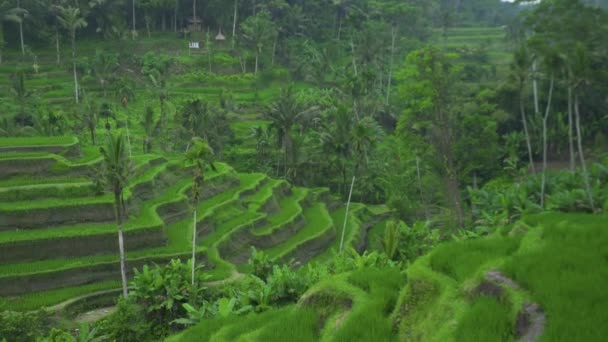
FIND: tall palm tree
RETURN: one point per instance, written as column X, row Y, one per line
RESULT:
column 520, row 73
column 580, row 65
column 284, row 114
column 151, row 127
column 72, row 20
column 117, row 170
column 16, row 15
column 200, row 155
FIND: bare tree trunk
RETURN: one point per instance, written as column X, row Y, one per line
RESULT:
column 570, row 130
column 422, row 196
column 545, row 118
column 74, row 65
column 194, row 232
column 352, row 185
column 121, row 244
column 175, row 16
column 21, row 37
column 579, row 139
column 234, row 18
column 257, row 56
column 57, row 45
column 274, row 50
column 524, row 121
column 352, row 49
column 535, row 89
column 133, row 19
column 390, row 70
column 339, row 27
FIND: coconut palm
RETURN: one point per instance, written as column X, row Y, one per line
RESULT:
column 71, row 19
column 16, row 15
column 151, row 127
column 520, row 73
column 200, row 155
column 284, row 114
column 117, row 170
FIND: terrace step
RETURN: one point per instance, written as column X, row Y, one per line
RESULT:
column 67, row 146
column 315, row 237
column 277, row 229
column 144, row 230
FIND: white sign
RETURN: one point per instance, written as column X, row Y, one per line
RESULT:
column 194, row 45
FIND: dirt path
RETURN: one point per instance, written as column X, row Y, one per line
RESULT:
column 531, row 319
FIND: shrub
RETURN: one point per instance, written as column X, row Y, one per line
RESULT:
column 126, row 323
column 23, row 326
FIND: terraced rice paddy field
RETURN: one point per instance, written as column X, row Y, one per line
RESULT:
column 58, row 238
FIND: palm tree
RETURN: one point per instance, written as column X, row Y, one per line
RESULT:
column 16, row 15
column 284, row 114
column 71, row 19
column 151, row 127
column 259, row 30
column 125, row 93
column 117, row 171
column 200, row 154
column 520, row 73
column 337, row 140
column 580, row 65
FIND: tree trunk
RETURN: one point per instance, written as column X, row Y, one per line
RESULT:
column 234, row 18
column 133, row 19
column 390, row 70
column 194, row 232
column 352, row 185
column 352, row 49
column 57, row 45
column 274, row 50
column 570, row 130
column 164, row 19
column 121, row 243
column 535, row 89
column 524, row 121
column 128, row 135
column 257, row 56
column 339, row 27
column 74, row 65
column 175, row 16
column 92, row 132
column 579, row 139
column 422, row 196
column 545, row 117
column 21, row 37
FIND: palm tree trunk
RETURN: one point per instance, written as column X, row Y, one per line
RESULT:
column 545, row 117
column 579, row 139
column 21, row 37
column 422, row 196
column 121, row 243
column 535, row 89
column 74, row 65
column 175, row 16
column 390, row 70
column 133, row 19
column 234, row 18
column 352, row 185
column 524, row 121
column 570, row 130
column 257, row 56
column 57, row 45
column 193, row 244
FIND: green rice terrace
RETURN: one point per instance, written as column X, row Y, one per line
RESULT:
column 207, row 170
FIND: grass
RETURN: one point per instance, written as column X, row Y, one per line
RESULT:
column 36, row 300
column 486, row 320
column 37, row 141
column 567, row 273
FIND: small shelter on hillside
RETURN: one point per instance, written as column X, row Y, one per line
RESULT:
column 195, row 24
column 220, row 37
